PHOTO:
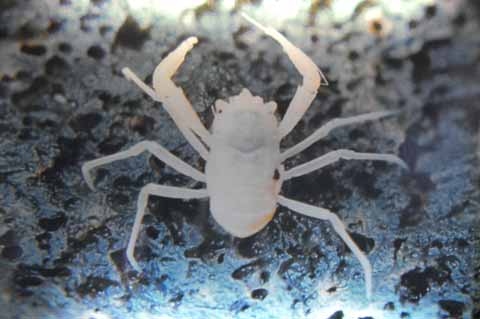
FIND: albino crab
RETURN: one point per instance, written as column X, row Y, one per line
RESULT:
column 244, row 171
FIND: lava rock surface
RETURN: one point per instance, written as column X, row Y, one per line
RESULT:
column 63, row 101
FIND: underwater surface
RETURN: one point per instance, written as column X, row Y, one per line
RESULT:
column 64, row 101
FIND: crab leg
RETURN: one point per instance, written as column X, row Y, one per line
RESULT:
column 173, row 98
column 157, row 190
column 337, row 155
column 312, row 78
column 157, row 150
column 322, row 213
column 325, row 129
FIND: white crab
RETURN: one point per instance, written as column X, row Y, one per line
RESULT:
column 244, row 171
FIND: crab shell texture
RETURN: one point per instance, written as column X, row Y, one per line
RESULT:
column 240, row 170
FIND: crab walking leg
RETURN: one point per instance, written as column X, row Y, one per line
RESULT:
column 157, row 150
column 325, row 129
column 312, row 77
column 157, row 190
column 173, row 98
column 322, row 213
column 335, row 156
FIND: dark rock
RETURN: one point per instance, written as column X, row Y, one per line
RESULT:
column 454, row 308
column 33, row 49
column 130, row 35
column 96, row 52
column 259, row 293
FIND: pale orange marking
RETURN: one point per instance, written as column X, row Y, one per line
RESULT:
column 264, row 221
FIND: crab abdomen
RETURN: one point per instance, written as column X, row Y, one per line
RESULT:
column 242, row 189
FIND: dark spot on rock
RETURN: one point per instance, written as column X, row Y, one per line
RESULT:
column 118, row 199
column 130, row 35
column 29, row 30
column 430, row 11
column 26, row 281
column 85, row 21
column 436, row 244
column 421, row 65
column 418, row 282
column 335, row 109
column 104, row 30
column 337, row 315
column 99, row 2
column 366, row 244
column 390, row 306
column 259, row 294
column 8, row 238
column 152, row 232
column 353, row 84
column 142, row 124
column 368, row 317
column 224, row 55
column 94, row 285
column 392, row 62
column 404, row 314
column 248, row 269
column 28, row 99
column 12, row 252
column 65, row 2
column 353, row 55
column 239, row 306
column 332, row 290
column 89, row 238
column 376, row 26
column 460, row 19
column 209, row 249
column 284, row 267
column 33, row 49
column 397, row 244
column 414, row 213
column 454, row 308
column 122, row 183
column 85, row 122
column 54, row 26
column 260, row 69
column 4, row 32
column 283, row 96
column 59, row 271
column 412, row 24
column 177, row 299
column 251, row 247
column 476, row 313
column 96, row 52
column 112, row 145
column 53, row 223
column 119, row 259
column 366, row 184
column 70, row 149
column 64, row 47
column 461, row 243
column 156, row 164
column 56, row 66
column 7, row 4
column 264, row 277
column 43, row 240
